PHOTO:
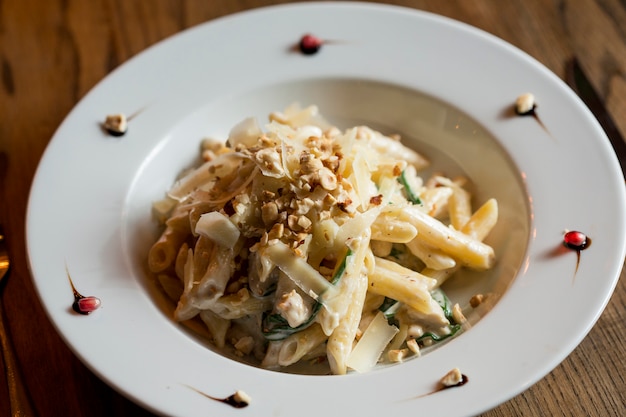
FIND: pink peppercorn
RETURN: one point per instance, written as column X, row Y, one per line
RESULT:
column 310, row 44
column 86, row 305
column 575, row 240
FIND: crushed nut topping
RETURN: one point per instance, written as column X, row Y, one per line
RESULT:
column 476, row 300
column 457, row 314
column 413, row 346
column 525, row 104
column 452, row 378
column 241, row 397
column 397, row 355
column 116, row 124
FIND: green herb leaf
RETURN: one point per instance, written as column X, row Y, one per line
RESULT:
column 446, row 305
column 438, row 338
column 410, row 195
column 276, row 327
column 442, row 299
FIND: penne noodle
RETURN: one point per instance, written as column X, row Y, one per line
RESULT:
column 172, row 286
column 337, row 305
column 339, row 344
column 389, row 229
column 181, row 259
column 459, row 207
column 270, row 360
column 433, row 258
column 482, row 221
column 435, row 200
column 479, row 225
column 217, row 326
column 439, row 275
column 404, row 285
column 201, row 175
column 470, row 252
column 238, row 305
column 298, row 345
column 163, row 253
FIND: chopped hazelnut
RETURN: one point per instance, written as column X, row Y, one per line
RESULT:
column 376, row 200
column 244, row 345
column 292, row 222
column 241, row 398
column 304, row 206
column 270, row 162
column 413, row 346
column 269, row 213
column 323, row 176
column 268, row 195
column 304, row 222
column 452, row 378
column 525, row 104
column 264, row 239
column 277, row 231
column 116, row 124
column 457, row 314
column 476, row 300
column 345, row 205
column 397, row 355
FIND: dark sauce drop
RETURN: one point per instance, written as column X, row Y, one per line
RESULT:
column 83, row 304
column 233, row 401
column 533, row 113
column 116, row 133
column 464, row 380
column 237, row 400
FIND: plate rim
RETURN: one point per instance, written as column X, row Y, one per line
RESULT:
column 260, row 11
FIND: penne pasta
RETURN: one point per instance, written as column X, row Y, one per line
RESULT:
column 433, row 258
column 340, row 342
column 339, row 303
column 482, row 221
column 478, row 227
column 298, row 345
column 387, row 228
column 217, row 326
column 467, row 250
column 459, row 207
column 163, row 253
column 404, row 285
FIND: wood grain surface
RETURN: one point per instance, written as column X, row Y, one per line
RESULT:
column 52, row 52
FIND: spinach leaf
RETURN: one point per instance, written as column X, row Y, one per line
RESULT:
column 446, row 305
column 276, row 327
column 410, row 195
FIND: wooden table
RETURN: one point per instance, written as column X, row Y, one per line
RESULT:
column 52, row 52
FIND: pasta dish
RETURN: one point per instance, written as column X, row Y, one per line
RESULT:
column 301, row 242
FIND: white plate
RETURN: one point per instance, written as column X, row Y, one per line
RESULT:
column 447, row 87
